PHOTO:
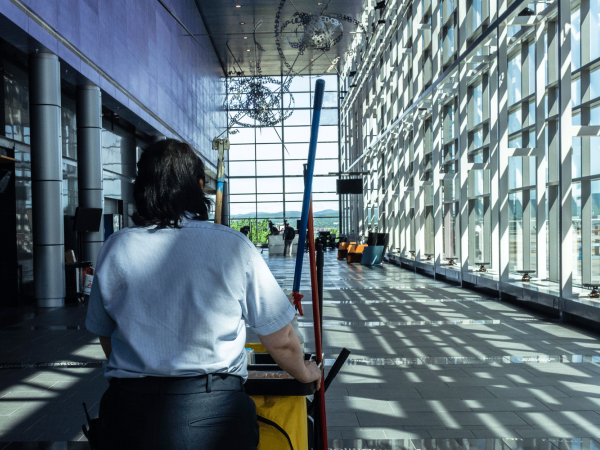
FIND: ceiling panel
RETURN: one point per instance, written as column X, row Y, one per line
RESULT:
column 230, row 26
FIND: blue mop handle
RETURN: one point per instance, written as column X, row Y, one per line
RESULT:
column 312, row 154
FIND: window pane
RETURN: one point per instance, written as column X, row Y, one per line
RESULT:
column 244, row 136
column 331, row 82
column 576, row 40
column 266, row 168
column 595, row 155
column 515, row 204
column 576, row 159
column 300, row 151
column 327, row 150
column 243, row 198
column 576, row 92
column 325, row 167
column 514, row 80
column 274, row 209
column 299, row 117
column 300, row 100
column 329, row 117
column 297, row 134
column 242, row 152
column 294, row 167
column 325, row 196
column 595, row 83
column 327, row 134
column 242, row 185
column 294, row 197
column 242, row 209
column 268, row 135
column 241, row 169
column 514, row 121
column 269, row 185
column 294, row 184
column 329, row 100
column 594, row 29
column 595, row 191
column 269, row 197
column 515, row 172
column 293, row 210
column 300, row 84
column 268, row 151
column 324, row 184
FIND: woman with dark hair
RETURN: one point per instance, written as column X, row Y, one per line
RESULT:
column 170, row 302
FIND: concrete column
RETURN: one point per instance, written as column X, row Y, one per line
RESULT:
column 46, row 180
column 89, row 163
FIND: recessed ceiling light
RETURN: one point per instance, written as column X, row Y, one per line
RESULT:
column 238, row 6
column 242, row 23
column 248, row 50
column 245, row 37
column 312, row 59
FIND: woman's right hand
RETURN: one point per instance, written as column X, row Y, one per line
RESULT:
column 313, row 373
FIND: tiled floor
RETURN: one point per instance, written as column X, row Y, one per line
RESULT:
column 432, row 366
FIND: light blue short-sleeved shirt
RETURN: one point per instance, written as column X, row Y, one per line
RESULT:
column 175, row 301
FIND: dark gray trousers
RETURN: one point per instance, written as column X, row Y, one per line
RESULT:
column 151, row 413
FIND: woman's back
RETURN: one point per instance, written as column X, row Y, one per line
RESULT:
column 178, row 298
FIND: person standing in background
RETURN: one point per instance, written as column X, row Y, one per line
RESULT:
column 288, row 236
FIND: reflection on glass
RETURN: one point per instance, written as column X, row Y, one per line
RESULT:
column 70, row 192
column 479, row 231
column 576, row 40
column 477, row 104
column 594, row 155
column 595, row 192
column 69, row 128
column 514, row 121
column 594, row 29
column 514, row 80
column 576, row 231
column 576, row 92
column 515, row 252
column 515, row 172
column 576, row 158
column 450, row 230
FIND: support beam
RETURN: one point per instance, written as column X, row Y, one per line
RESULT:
column 89, row 163
column 46, row 180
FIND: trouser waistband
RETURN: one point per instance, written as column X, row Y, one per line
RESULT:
column 180, row 385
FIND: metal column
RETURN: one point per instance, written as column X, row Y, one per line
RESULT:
column 89, row 163
column 46, row 180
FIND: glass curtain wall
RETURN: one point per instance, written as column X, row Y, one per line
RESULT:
column 492, row 165
column 265, row 165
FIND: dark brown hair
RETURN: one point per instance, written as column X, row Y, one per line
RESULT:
column 166, row 186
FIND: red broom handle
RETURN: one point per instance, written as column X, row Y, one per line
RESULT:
column 317, row 325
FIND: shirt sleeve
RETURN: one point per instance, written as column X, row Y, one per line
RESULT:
column 97, row 320
column 267, row 307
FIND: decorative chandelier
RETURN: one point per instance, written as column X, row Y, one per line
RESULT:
column 260, row 98
column 304, row 31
